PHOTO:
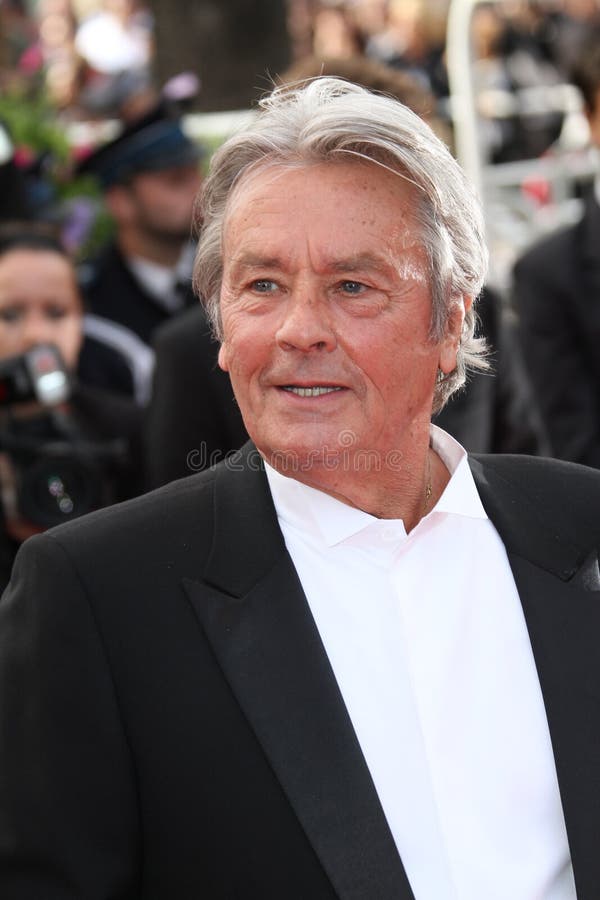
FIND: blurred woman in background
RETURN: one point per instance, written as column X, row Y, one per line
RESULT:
column 65, row 447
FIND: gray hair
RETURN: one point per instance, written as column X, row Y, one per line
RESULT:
column 328, row 119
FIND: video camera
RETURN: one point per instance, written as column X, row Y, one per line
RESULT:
column 39, row 375
column 57, row 472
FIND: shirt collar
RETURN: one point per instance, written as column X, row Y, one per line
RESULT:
column 309, row 510
column 160, row 282
column 460, row 496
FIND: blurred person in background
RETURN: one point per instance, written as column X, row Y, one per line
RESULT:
column 334, row 33
column 571, row 25
column 114, row 44
column 369, row 18
column 556, row 289
column 374, row 75
column 413, row 40
column 65, row 447
column 509, row 58
column 149, row 175
column 17, row 34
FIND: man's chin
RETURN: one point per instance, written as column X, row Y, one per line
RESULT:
column 300, row 461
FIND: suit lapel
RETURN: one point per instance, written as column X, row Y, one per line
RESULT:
column 259, row 624
column 559, row 585
column 564, row 624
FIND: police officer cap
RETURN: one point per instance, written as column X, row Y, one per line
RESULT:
column 154, row 142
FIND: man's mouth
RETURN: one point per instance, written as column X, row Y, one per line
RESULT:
column 314, row 391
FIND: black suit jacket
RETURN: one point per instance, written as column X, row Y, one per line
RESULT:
column 193, row 420
column 557, row 295
column 112, row 292
column 169, row 722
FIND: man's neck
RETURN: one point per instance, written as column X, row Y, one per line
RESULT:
column 133, row 244
column 406, row 492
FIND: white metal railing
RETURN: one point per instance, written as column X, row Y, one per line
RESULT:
column 463, row 109
column 513, row 219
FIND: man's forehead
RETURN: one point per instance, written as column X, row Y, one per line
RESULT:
column 326, row 198
column 272, row 176
column 274, row 243
column 259, row 178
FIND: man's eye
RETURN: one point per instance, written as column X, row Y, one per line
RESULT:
column 353, row 287
column 264, row 286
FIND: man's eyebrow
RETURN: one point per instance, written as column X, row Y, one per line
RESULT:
column 361, row 262
column 251, row 260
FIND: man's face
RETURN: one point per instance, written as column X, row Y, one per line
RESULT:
column 326, row 312
column 163, row 201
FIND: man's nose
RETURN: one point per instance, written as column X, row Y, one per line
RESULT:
column 306, row 325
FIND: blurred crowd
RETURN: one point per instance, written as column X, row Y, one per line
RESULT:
column 516, row 45
column 109, row 383
column 92, row 56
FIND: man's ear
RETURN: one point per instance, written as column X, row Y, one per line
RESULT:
column 119, row 203
column 223, row 357
column 451, row 341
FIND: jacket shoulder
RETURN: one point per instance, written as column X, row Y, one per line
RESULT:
column 538, row 470
column 185, row 331
column 167, row 529
column 91, row 272
column 547, row 254
column 547, row 507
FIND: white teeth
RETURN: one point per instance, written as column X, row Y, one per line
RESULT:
column 310, row 391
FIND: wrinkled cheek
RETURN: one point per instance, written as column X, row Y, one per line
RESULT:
column 242, row 347
column 239, row 368
column 235, row 359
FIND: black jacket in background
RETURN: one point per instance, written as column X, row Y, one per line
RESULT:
column 193, row 420
column 112, row 292
column 557, row 296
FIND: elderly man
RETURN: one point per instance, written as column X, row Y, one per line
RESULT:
column 346, row 663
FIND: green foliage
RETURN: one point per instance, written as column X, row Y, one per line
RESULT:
column 36, row 132
column 32, row 124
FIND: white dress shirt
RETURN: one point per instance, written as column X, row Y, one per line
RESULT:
column 163, row 283
column 426, row 636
